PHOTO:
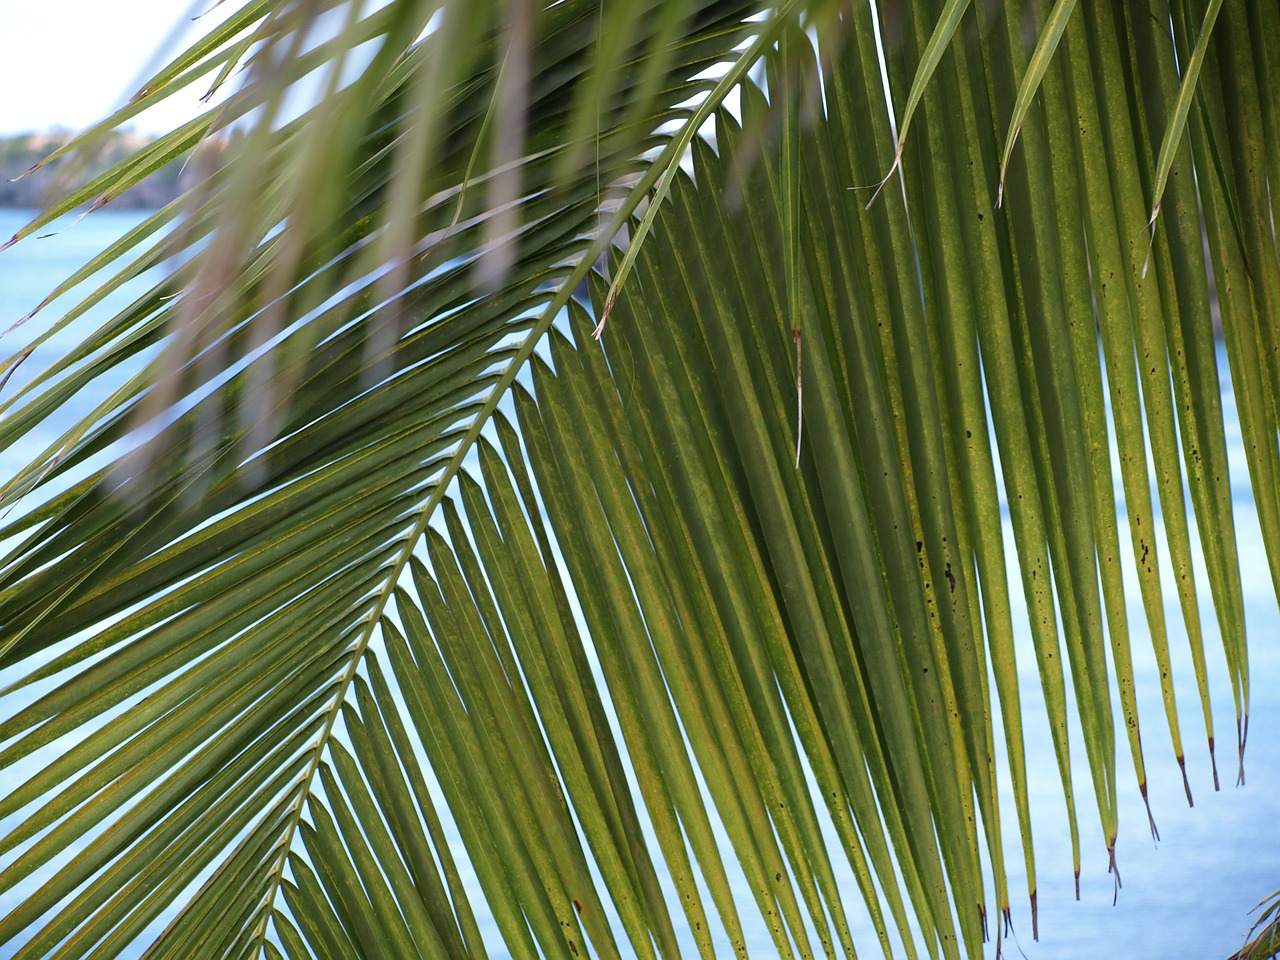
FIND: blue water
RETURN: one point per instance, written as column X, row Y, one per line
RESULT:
column 1186, row 898
column 29, row 272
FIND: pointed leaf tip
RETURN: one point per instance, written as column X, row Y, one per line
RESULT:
column 21, row 320
column 1004, row 164
column 609, row 301
column 897, row 160
column 1151, row 820
column 1113, row 868
column 1242, row 734
column 1182, row 107
column 1046, row 46
column 16, row 364
column 948, row 20
column 892, row 168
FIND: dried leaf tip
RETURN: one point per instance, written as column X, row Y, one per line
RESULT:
column 1114, row 869
column 897, row 160
column 20, row 321
column 1151, row 820
column 609, row 301
column 893, row 167
column 4, row 380
column 1242, row 734
column 1004, row 164
column 1151, row 239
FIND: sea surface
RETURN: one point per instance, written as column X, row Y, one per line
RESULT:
column 1186, row 897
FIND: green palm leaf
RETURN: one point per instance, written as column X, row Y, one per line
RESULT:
column 374, row 608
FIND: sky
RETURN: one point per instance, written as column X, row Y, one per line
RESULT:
column 68, row 63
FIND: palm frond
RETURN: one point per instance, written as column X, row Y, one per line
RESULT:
column 378, row 609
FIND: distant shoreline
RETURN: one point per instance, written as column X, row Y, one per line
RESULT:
column 19, row 153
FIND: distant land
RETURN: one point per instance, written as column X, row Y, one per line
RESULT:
column 19, row 153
